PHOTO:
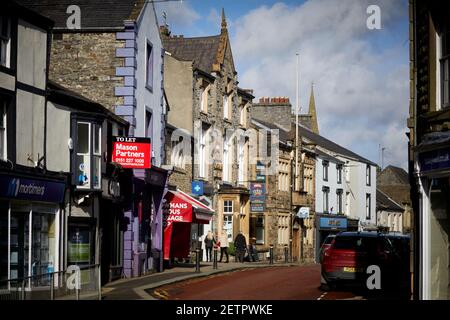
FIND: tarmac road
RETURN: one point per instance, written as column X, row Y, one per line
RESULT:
column 272, row 283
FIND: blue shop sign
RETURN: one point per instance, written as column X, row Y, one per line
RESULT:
column 435, row 160
column 197, row 188
column 31, row 189
column 333, row 223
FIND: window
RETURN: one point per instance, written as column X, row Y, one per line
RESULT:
column 260, row 230
column 339, row 173
column 226, row 159
column 339, row 201
column 243, row 115
column 228, row 218
column 368, row 206
column 202, row 152
column 325, row 170
column 347, row 174
column 5, row 41
column 3, row 133
column 347, row 203
column 88, row 152
column 204, row 94
column 149, row 124
column 326, row 192
column 445, row 69
column 241, row 150
column 149, row 60
column 368, row 174
column 283, row 229
column 226, row 111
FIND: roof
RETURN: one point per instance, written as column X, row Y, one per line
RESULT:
column 327, row 156
column 14, row 7
column 201, row 50
column 359, row 234
column 95, row 14
column 386, row 203
column 401, row 174
column 64, row 96
column 329, row 145
column 283, row 135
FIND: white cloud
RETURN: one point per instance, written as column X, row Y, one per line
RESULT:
column 179, row 13
column 361, row 86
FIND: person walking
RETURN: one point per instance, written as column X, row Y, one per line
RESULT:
column 241, row 246
column 223, row 244
column 209, row 243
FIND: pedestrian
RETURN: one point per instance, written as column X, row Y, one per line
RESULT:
column 241, row 246
column 252, row 251
column 209, row 243
column 223, row 244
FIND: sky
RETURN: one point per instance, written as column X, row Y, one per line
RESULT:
column 361, row 76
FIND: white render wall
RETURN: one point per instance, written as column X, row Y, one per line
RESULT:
column 148, row 30
column 331, row 183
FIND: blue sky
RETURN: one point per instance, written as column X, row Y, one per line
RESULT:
column 360, row 75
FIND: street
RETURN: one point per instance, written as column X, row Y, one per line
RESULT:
column 272, row 283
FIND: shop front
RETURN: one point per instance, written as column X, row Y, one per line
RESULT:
column 326, row 225
column 30, row 225
column 434, row 182
column 181, row 211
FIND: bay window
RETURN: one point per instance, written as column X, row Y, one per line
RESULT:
column 88, row 155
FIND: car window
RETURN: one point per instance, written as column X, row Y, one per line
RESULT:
column 354, row 243
column 328, row 240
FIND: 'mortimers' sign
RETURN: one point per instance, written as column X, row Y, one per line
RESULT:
column 134, row 153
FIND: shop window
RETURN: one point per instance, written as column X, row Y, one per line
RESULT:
column 88, row 155
column 80, row 247
column 3, row 132
column 5, row 41
column 4, row 207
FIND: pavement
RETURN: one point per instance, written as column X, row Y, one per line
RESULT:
column 138, row 288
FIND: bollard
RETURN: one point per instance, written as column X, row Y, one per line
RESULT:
column 52, row 286
column 271, row 254
column 286, row 254
column 215, row 259
column 197, row 260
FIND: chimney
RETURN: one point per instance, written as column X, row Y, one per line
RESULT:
column 164, row 31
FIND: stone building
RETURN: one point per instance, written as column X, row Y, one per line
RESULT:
column 394, row 182
column 112, row 54
column 429, row 150
column 211, row 111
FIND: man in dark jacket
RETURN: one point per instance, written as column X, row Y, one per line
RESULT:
column 241, row 246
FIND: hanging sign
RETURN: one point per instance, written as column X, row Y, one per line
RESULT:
column 132, row 153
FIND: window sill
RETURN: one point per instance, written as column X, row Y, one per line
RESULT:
column 149, row 88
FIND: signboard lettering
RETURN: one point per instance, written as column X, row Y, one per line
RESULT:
column 133, row 153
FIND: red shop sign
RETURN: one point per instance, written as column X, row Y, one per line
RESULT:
column 133, row 153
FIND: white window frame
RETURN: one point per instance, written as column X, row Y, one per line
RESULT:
column 368, row 175
column 92, row 155
column 325, row 165
column 149, row 62
column 3, row 130
column 5, row 43
column 326, row 200
column 241, row 158
column 228, row 218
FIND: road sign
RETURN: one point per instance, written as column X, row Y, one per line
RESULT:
column 197, row 188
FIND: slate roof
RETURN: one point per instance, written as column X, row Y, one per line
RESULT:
column 401, row 174
column 386, row 203
column 283, row 135
column 328, row 144
column 95, row 14
column 326, row 156
column 64, row 96
column 201, row 50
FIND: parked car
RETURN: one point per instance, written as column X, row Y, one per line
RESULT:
column 326, row 245
column 402, row 247
column 350, row 254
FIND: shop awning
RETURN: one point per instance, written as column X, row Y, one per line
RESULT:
column 180, row 210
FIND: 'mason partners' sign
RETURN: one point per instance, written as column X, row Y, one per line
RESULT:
column 132, row 153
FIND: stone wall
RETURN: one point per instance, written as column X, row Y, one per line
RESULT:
column 274, row 110
column 86, row 63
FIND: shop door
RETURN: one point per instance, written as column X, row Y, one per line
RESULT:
column 19, row 257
